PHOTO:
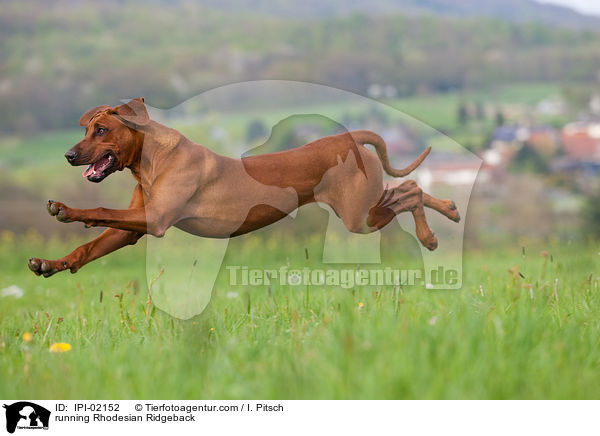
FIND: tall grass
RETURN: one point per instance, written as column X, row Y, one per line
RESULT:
column 525, row 325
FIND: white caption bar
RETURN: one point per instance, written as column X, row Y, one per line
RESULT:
column 299, row 417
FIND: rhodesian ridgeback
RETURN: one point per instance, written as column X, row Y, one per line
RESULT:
column 186, row 185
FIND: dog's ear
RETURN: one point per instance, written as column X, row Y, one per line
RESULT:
column 133, row 112
column 87, row 117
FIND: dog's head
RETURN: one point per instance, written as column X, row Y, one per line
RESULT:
column 112, row 139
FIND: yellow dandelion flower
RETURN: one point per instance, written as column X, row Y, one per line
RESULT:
column 360, row 305
column 212, row 329
column 27, row 337
column 60, row 347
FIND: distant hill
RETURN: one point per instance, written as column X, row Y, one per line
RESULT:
column 509, row 10
column 58, row 59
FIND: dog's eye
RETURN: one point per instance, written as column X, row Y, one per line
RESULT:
column 101, row 131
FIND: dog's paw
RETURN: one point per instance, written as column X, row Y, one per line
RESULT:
column 452, row 211
column 430, row 241
column 46, row 268
column 59, row 210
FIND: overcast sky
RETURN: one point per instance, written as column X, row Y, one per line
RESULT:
column 585, row 6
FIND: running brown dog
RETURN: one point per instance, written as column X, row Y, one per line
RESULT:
column 186, row 185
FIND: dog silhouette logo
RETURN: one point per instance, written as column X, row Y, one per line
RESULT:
column 26, row 415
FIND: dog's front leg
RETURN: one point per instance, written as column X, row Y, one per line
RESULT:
column 162, row 209
column 140, row 220
column 124, row 219
column 107, row 242
column 164, row 202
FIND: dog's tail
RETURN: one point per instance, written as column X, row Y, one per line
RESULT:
column 367, row 137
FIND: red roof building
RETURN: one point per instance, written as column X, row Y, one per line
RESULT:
column 581, row 141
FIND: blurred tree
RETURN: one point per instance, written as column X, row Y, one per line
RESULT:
column 216, row 46
column 479, row 111
column 528, row 160
column 591, row 213
column 577, row 96
column 378, row 116
column 256, row 130
column 499, row 118
column 346, row 119
column 462, row 114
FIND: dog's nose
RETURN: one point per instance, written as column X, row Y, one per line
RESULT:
column 71, row 155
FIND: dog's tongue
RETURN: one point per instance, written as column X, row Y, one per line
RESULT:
column 99, row 165
column 89, row 170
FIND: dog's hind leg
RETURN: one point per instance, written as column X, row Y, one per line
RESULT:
column 407, row 197
column 445, row 207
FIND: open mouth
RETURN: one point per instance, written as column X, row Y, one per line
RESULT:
column 97, row 171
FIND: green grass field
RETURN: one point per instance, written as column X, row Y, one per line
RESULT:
column 501, row 336
column 504, row 335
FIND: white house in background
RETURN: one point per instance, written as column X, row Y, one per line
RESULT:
column 595, row 104
column 551, row 106
column 492, row 157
